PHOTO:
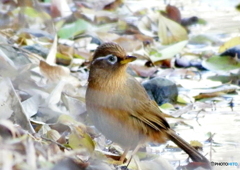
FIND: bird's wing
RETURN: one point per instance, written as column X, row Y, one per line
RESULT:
column 144, row 109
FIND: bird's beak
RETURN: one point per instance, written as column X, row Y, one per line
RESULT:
column 128, row 59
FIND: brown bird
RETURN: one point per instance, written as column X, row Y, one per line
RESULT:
column 120, row 108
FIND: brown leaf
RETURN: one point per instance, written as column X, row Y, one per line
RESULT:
column 53, row 73
column 143, row 71
column 115, row 157
column 106, row 36
column 196, row 165
column 144, row 38
column 128, row 43
column 113, row 5
column 216, row 91
column 7, row 129
column 163, row 63
column 173, row 13
column 60, row 8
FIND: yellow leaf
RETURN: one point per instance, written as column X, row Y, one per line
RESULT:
column 79, row 139
column 167, row 106
column 229, row 44
column 66, row 120
column 53, row 135
column 184, row 99
column 196, row 143
column 169, row 31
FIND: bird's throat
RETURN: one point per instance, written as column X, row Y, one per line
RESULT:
column 108, row 82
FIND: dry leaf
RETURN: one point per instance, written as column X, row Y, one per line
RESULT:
column 10, row 105
column 143, row 71
column 8, row 129
column 51, row 58
column 53, row 73
column 196, row 144
column 79, row 139
column 128, row 44
column 169, row 31
column 53, row 135
column 114, row 5
column 60, row 8
column 173, row 13
column 218, row 91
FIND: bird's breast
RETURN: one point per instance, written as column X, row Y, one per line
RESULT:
column 109, row 112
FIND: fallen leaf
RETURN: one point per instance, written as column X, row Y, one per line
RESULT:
column 217, row 91
column 78, row 139
column 173, row 13
column 229, row 44
column 53, row 72
column 51, row 58
column 11, row 107
column 60, row 8
column 74, row 28
column 166, row 52
column 169, row 31
column 223, row 63
column 53, row 135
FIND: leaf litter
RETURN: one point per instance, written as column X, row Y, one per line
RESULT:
column 43, row 119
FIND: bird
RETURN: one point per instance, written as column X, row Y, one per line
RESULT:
column 119, row 107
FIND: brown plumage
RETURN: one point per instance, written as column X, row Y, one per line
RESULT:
column 120, row 108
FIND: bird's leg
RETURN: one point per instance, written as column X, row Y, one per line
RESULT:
column 133, row 153
column 123, row 156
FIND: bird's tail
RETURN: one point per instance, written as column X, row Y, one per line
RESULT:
column 192, row 152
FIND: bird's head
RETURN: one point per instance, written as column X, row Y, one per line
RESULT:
column 109, row 58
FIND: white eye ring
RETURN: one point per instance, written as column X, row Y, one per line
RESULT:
column 112, row 59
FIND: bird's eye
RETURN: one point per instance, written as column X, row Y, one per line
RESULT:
column 112, row 59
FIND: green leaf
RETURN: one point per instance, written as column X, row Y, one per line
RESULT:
column 167, row 106
column 167, row 52
column 223, row 63
column 72, row 29
column 184, row 99
column 32, row 13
